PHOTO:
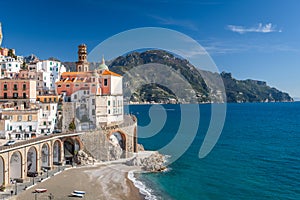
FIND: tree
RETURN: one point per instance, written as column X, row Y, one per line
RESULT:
column 72, row 125
column 24, row 65
column 11, row 54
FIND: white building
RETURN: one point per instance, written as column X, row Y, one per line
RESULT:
column 84, row 108
column 47, row 118
column 20, row 124
column 10, row 66
column 109, row 105
column 47, row 73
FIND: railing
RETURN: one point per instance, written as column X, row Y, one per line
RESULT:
column 39, row 139
column 129, row 120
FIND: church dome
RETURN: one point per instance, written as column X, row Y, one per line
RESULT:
column 103, row 66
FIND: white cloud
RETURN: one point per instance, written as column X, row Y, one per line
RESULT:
column 260, row 28
column 177, row 22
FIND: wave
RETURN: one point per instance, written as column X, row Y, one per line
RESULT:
column 141, row 186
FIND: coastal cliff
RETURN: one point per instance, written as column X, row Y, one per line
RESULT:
column 236, row 90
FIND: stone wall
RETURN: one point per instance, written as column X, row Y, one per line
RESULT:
column 68, row 115
column 98, row 145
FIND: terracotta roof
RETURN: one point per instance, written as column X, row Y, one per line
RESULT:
column 75, row 73
column 107, row 72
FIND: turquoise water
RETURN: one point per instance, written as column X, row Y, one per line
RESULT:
column 256, row 157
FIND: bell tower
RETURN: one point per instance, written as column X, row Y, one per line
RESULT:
column 82, row 64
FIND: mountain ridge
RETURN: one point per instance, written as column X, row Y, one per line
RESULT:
column 236, row 90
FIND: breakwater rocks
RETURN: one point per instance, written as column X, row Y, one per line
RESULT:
column 84, row 159
column 150, row 161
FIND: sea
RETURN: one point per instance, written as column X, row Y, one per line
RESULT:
column 257, row 155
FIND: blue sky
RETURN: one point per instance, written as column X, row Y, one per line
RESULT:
column 249, row 38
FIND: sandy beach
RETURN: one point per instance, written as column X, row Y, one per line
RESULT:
column 99, row 182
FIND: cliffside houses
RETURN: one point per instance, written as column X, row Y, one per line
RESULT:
column 41, row 97
column 91, row 98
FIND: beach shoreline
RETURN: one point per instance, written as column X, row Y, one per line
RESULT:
column 98, row 181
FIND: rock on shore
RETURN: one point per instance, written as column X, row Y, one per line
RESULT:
column 149, row 161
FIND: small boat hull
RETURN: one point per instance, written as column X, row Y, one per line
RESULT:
column 79, row 192
column 77, row 195
column 40, row 190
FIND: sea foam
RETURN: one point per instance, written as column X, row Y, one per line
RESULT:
column 141, row 186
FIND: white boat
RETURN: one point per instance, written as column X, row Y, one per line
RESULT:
column 79, row 192
column 40, row 190
column 77, row 195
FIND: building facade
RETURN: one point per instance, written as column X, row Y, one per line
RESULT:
column 96, row 97
column 48, row 117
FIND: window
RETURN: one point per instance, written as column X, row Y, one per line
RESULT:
column 76, row 85
column 50, row 68
column 15, row 95
column 5, row 95
column 59, row 86
column 29, row 117
column 75, row 96
column 19, row 117
column 24, row 95
column 108, row 111
column 15, row 87
column 108, row 102
column 5, row 87
column 45, row 123
column 30, row 128
column 105, row 82
column 93, row 112
column 20, row 128
column 24, row 86
column 93, row 101
column 67, row 85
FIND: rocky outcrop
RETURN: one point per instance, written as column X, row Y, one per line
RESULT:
column 84, row 159
column 155, row 162
column 115, row 152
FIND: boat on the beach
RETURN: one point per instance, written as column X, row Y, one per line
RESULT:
column 40, row 190
column 73, row 194
column 79, row 192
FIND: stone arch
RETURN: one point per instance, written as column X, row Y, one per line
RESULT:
column 45, row 155
column 69, row 150
column 57, row 145
column 78, row 144
column 2, row 168
column 15, row 162
column 32, row 159
column 118, row 137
